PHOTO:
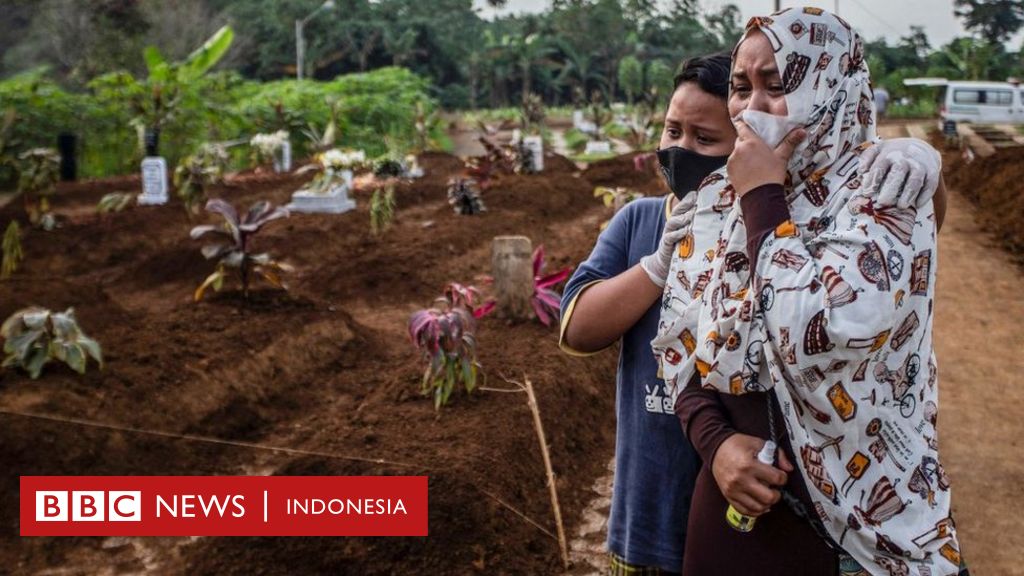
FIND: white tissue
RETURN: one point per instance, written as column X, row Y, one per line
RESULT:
column 771, row 128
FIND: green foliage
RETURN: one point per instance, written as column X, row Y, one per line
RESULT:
column 532, row 114
column 215, row 107
column 575, row 140
column 923, row 108
column 996, row 20
column 631, row 77
column 34, row 337
column 196, row 173
column 38, row 173
column 12, row 253
column 234, row 246
column 382, row 209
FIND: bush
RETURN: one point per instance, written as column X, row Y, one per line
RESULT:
column 216, row 107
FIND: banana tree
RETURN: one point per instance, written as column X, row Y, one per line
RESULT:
column 156, row 99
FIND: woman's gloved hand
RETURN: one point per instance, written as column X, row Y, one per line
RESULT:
column 657, row 264
column 902, row 172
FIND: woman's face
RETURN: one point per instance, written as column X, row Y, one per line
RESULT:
column 699, row 122
column 756, row 82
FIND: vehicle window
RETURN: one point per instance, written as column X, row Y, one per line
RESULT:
column 968, row 97
column 1000, row 97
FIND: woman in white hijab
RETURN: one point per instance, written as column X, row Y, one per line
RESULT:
column 811, row 327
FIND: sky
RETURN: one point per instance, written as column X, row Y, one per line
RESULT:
column 890, row 19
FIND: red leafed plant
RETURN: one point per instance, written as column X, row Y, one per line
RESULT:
column 546, row 302
column 445, row 336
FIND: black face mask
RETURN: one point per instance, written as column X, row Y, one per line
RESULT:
column 684, row 169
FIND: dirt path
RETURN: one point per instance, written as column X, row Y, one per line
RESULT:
column 978, row 340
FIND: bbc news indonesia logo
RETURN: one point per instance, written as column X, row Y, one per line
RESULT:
column 223, row 506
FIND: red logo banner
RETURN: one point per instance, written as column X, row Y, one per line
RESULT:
column 223, row 505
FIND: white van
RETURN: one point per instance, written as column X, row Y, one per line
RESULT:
column 977, row 102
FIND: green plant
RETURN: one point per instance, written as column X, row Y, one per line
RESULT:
column 38, row 172
column 600, row 114
column 234, row 247
column 12, row 250
column 163, row 88
column 615, row 198
column 546, row 302
column 382, row 209
column 196, row 173
column 464, row 196
column 320, row 141
column 532, row 114
column 445, row 335
column 34, row 337
column 114, row 202
column 426, row 125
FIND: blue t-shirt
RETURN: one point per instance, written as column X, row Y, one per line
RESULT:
column 655, row 465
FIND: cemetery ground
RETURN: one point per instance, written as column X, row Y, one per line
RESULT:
column 327, row 368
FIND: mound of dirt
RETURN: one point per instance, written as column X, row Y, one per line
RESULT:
column 621, row 171
column 996, row 185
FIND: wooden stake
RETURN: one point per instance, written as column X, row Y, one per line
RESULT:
column 532, row 401
column 512, row 269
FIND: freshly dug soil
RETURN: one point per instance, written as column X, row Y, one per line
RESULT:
column 995, row 184
column 621, row 171
column 325, row 367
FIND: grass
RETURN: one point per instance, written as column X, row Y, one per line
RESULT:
column 588, row 158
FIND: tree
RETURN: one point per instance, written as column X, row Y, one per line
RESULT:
column 631, row 77
column 994, row 20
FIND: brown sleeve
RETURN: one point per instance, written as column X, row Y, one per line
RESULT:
column 703, row 419
column 764, row 208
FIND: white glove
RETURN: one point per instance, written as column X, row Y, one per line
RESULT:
column 657, row 264
column 903, row 172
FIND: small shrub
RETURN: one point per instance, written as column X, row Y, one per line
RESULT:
column 382, row 209
column 235, row 247
column 34, row 337
column 532, row 114
column 464, row 196
column 38, row 172
column 546, row 302
column 12, row 250
column 196, row 173
column 115, row 202
column 445, row 336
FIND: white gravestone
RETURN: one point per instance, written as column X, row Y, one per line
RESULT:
column 598, row 147
column 334, row 201
column 536, row 145
column 283, row 158
column 577, row 119
column 154, row 181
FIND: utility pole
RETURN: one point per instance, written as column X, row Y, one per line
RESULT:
column 300, row 40
column 778, row 5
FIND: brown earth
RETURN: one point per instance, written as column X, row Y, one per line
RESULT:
column 326, row 367
column 979, row 338
column 996, row 185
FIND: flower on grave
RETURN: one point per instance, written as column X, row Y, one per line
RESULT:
column 269, row 144
column 335, row 159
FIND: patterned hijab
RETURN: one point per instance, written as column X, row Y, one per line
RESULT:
column 835, row 315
